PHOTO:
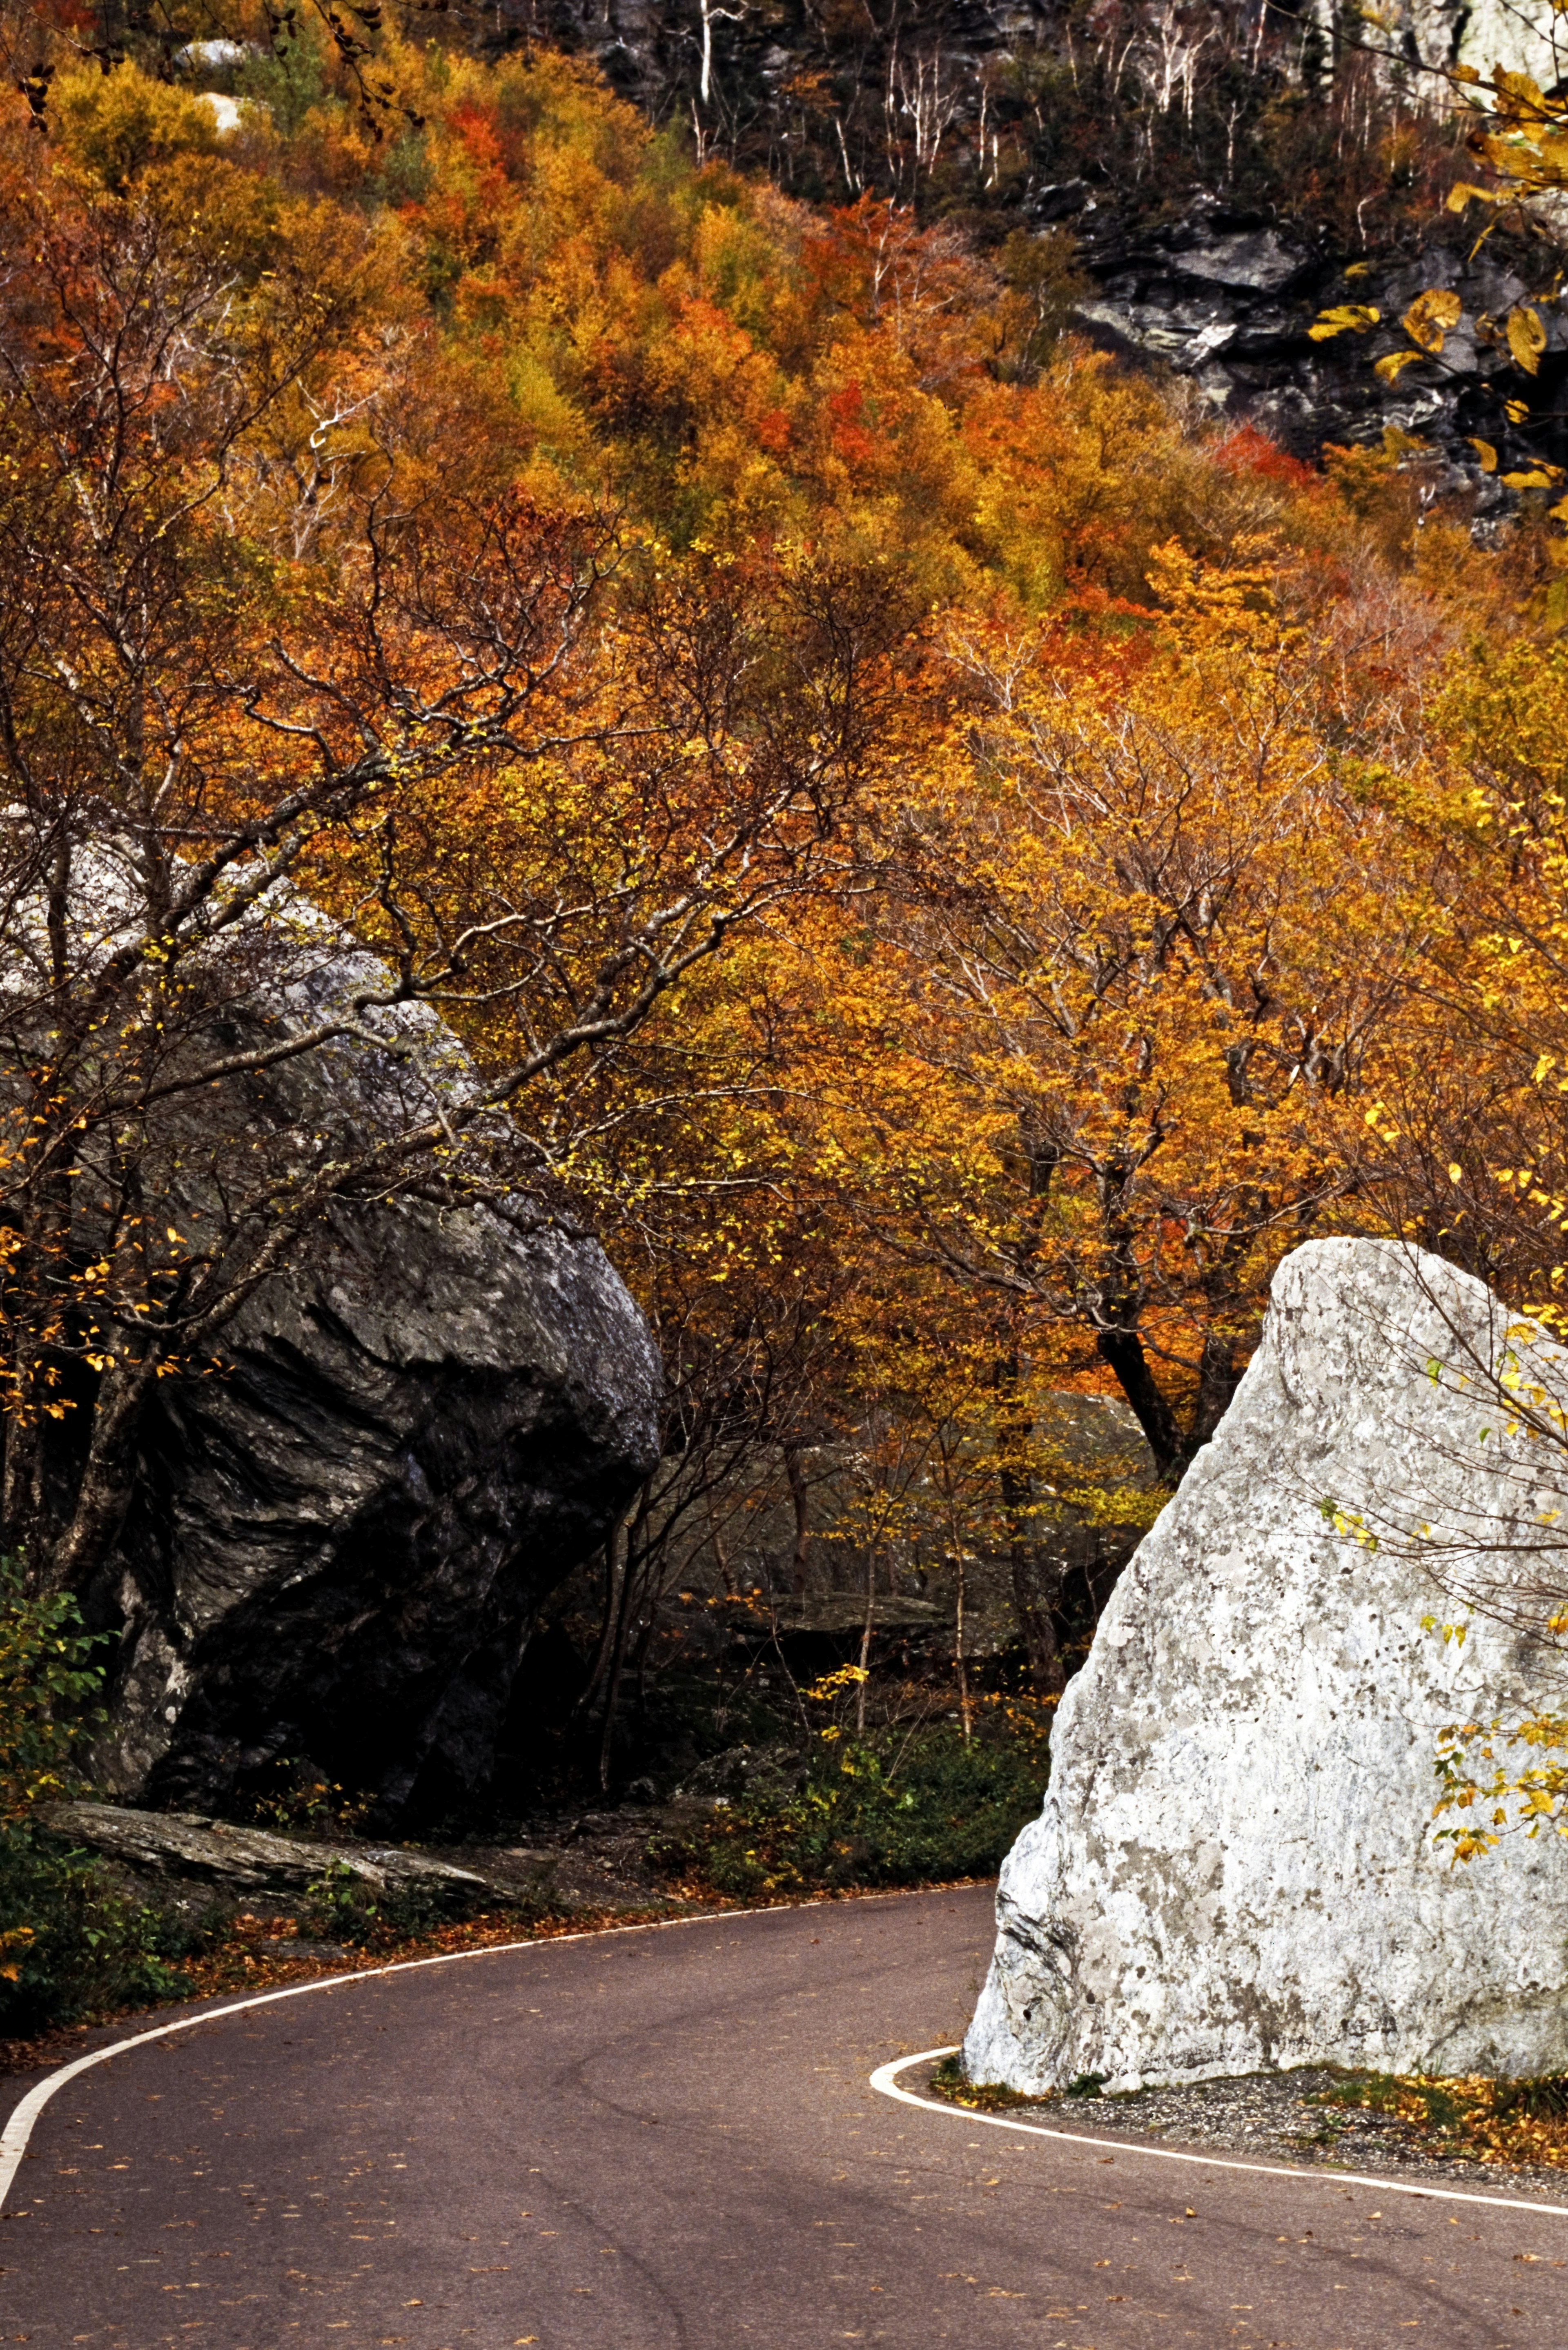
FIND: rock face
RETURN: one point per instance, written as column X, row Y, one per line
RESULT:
column 338, row 1546
column 1234, row 1868
column 185, row 1861
column 1226, row 297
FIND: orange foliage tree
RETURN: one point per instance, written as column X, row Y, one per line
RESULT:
column 259, row 639
column 608, row 589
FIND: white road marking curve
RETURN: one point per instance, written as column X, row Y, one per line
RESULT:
column 18, row 2128
column 884, row 2079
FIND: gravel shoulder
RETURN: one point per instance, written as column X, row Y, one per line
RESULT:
column 1274, row 2117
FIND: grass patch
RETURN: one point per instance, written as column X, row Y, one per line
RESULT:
column 950, row 2081
column 1467, row 2117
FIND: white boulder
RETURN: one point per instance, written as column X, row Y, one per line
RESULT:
column 1234, row 1869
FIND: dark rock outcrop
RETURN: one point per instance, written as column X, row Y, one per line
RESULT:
column 339, row 1538
column 1226, row 297
column 189, row 1864
column 251, row 1862
column 338, row 1548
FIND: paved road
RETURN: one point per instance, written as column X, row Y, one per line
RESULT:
column 664, row 2141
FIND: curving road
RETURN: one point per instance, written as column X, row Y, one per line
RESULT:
column 666, row 2141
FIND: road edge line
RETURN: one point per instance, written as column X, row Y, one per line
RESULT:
column 19, row 2121
column 885, row 2081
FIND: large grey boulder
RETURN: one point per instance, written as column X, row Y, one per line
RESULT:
column 340, row 1535
column 1234, row 1869
column 338, row 1546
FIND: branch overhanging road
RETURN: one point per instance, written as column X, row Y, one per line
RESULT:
column 669, row 2139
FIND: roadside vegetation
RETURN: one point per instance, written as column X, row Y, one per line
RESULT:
column 1475, row 2119
column 1466, row 2118
column 69, row 1941
column 905, row 1801
column 844, row 1803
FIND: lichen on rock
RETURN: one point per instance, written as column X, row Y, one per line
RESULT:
column 1234, row 1869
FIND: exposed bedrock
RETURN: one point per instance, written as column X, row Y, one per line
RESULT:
column 1226, row 296
column 1234, row 1868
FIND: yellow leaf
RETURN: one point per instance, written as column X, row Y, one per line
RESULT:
column 1462, row 192
column 1516, row 410
column 1430, row 316
column 1526, row 338
column 1536, row 479
column 1352, row 318
column 1487, row 455
column 1393, row 367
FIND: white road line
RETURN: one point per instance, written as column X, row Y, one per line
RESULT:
column 886, row 2080
column 19, row 2129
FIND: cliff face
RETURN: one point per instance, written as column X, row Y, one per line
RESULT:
column 1225, row 296
column 1221, row 178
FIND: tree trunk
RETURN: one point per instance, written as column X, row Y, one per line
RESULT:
column 606, row 1641
column 628, row 1588
column 1217, row 1380
column 801, row 1499
column 108, row 1479
column 1032, row 1607
column 716, row 1544
column 1035, row 1622
column 1123, row 1350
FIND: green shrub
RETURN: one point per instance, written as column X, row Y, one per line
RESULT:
column 891, row 1807
column 74, row 1944
column 48, row 1689
column 71, row 1944
column 344, row 1907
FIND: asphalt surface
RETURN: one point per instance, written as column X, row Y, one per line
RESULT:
column 640, row 2141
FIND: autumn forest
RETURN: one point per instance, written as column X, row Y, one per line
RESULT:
column 950, row 855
